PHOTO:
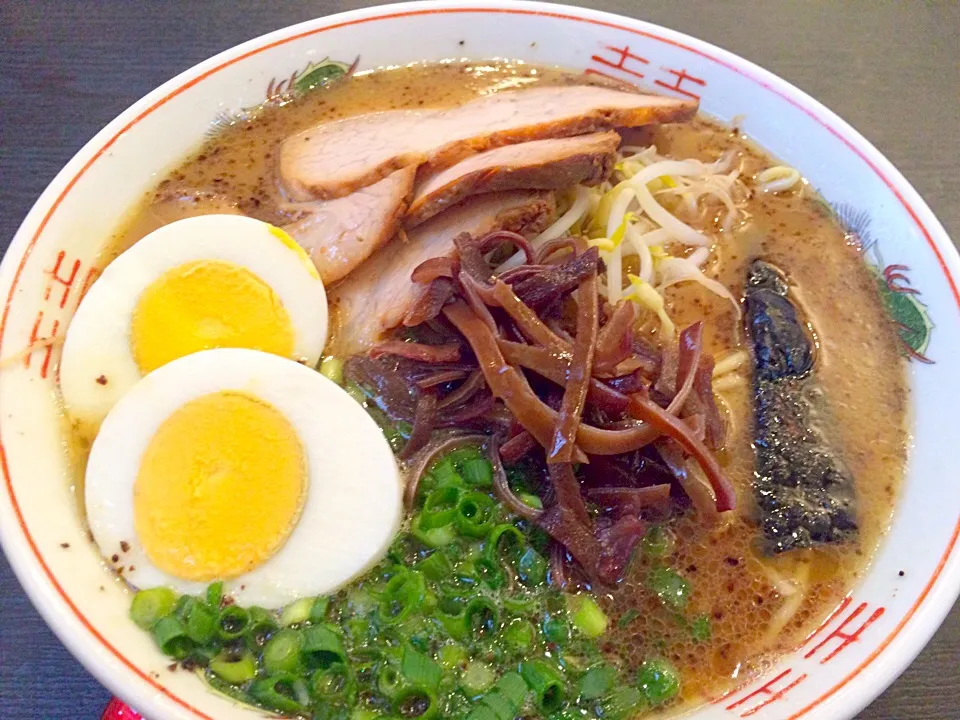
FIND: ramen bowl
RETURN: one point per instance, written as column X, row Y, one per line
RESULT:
column 873, row 634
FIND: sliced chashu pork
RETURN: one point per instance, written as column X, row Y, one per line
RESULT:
column 538, row 165
column 376, row 296
column 340, row 234
column 334, row 159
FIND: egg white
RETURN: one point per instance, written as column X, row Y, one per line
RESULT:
column 98, row 342
column 353, row 506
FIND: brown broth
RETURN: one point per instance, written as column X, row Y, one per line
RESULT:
column 233, row 170
column 860, row 371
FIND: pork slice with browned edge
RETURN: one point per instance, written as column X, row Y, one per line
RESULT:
column 551, row 164
column 376, row 297
column 340, row 234
column 336, row 158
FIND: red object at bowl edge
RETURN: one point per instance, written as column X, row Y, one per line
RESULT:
column 117, row 710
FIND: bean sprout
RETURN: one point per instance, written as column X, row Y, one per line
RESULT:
column 794, row 598
column 730, row 363
column 729, row 382
column 777, row 179
column 576, row 212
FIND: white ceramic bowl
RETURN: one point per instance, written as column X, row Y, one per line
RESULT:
column 858, row 651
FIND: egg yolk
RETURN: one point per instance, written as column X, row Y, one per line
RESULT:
column 220, row 487
column 292, row 245
column 203, row 305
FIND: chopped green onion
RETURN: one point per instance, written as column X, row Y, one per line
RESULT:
column 477, row 472
column 622, row 703
column 234, row 670
column 182, row 607
column 362, row 713
column 318, row 611
column 597, row 682
column 201, row 623
column 482, row 617
column 503, row 540
column 440, row 507
column 333, row 683
column 148, row 606
column 488, row 572
column 475, row 515
column 570, row 713
column 389, row 681
column 284, row 693
column 658, row 681
column 519, row 635
column 419, row 670
column 501, row 707
column 546, row 683
column 450, row 613
column 429, row 602
column 532, row 568
column 433, row 538
column 671, row 588
column 171, row 637
column 233, row 622
column 477, row 677
column 281, row 654
column 628, row 617
column 445, row 473
column 700, row 628
column 296, row 612
column 513, row 688
column 203, row 655
column 360, row 602
column 556, row 630
column 453, row 656
column 364, row 661
column 416, row 702
column 520, row 604
column 402, row 596
column 463, row 455
column 657, row 542
column 262, row 623
column 332, row 368
column 586, row 615
column 482, row 712
column 322, row 646
column 358, row 629
column 531, row 500
column 214, row 594
column 436, row 566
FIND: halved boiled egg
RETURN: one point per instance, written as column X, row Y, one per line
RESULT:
column 246, row 467
column 206, row 282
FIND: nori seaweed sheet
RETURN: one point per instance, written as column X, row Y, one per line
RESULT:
column 804, row 493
